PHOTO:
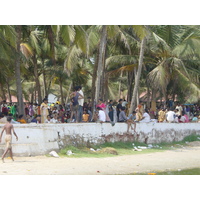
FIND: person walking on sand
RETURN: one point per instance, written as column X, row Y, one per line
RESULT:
column 8, row 138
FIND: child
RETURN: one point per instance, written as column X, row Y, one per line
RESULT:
column 8, row 138
column 85, row 116
column 21, row 120
column 48, row 120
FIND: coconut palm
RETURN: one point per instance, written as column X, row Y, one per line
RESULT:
column 175, row 50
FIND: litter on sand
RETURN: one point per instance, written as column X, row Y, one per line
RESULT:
column 136, row 149
column 69, row 153
column 142, row 147
column 91, row 149
column 54, row 154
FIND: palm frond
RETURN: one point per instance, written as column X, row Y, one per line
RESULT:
column 81, row 39
column 120, row 60
column 126, row 68
column 71, row 59
column 159, row 78
column 67, row 34
column 140, row 31
column 26, row 50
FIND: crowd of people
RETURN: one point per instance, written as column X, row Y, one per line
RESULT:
column 78, row 110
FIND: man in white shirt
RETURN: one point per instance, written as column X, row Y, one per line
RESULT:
column 170, row 116
column 101, row 115
column 146, row 117
column 80, row 102
column 180, row 109
column 54, row 119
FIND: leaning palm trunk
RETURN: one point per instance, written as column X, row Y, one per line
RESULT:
column 102, row 48
column 21, row 110
column 137, row 78
column 68, row 93
column 37, row 82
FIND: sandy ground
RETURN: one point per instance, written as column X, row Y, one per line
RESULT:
column 152, row 162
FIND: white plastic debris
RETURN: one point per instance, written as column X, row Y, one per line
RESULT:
column 179, row 170
column 54, row 154
column 98, row 149
column 142, row 147
column 136, row 149
column 133, row 144
column 69, row 153
column 150, row 145
column 91, row 149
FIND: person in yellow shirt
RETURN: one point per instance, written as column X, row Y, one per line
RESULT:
column 21, row 120
column 161, row 115
column 85, row 116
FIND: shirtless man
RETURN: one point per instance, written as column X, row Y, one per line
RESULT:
column 8, row 137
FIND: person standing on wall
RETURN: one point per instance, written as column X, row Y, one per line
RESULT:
column 80, row 102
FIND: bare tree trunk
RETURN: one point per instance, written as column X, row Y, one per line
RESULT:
column 104, row 88
column 130, row 85
column 21, row 110
column 94, row 80
column 102, row 48
column 120, row 84
column 3, row 92
column 38, row 87
column 137, row 78
column 148, row 96
column 44, row 79
column 68, row 93
column 61, row 92
column 9, row 93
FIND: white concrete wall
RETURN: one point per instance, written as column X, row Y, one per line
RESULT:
column 38, row 139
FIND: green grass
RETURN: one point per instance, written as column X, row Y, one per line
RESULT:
column 194, row 171
column 123, row 148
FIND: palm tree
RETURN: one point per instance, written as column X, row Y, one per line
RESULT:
column 176, row 49
column 21, row 110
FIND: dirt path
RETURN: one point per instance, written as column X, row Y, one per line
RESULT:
column 151, row 162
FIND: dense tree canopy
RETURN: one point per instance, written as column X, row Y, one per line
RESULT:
column 110, row 62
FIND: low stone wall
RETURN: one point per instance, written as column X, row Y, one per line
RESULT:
column 39, row 139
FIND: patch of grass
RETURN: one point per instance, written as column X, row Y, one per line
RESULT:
column 123, row 148
column 194, row 171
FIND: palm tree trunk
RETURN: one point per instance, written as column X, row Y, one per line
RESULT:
column 130, row 85
column 102, row 48
column 38, row 87
column 44, row 79
column 94, row 77
column 21, row 110
column 68, row 92
column 120, row 85
column 148, row 96
column 137, row 78
column 9, row 93
column 104, row 88
column 3, row 92
column 61, row 92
